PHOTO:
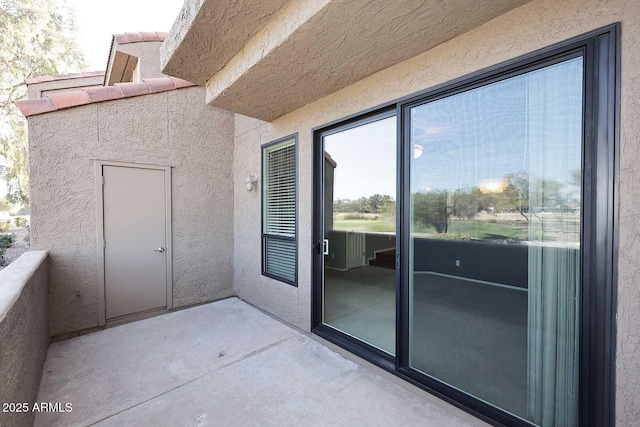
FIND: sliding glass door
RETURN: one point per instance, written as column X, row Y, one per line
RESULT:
column 359, row 235
column 465, row 237
column 495, row 232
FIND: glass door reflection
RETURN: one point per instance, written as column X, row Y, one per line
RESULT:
column 495, row 200
column 359, row 277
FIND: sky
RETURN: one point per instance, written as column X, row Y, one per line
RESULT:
column 529, row 125
column 97, row 21
column 366, row 160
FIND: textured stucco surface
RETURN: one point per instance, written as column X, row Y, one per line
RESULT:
column 169, row 129
column 148, row 54
column 318, row 47
column 530, row 27
column 207, row 33
column 148, row 62
column 24, row 334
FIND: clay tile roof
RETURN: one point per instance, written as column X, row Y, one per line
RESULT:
column 30, row 107
column 160, row 84
column 92, row 95
column 103, row 93
column 69, row 99
column 179, row 83
column 140, row 37
column 41, row 79
column 133, row 89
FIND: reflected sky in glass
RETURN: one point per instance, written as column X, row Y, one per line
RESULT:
column 472, row 138
column 366, row 160
column 485, row 134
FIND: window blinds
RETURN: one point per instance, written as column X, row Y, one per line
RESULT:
column 279, row 218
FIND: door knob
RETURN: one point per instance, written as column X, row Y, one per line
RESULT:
column 160, row 250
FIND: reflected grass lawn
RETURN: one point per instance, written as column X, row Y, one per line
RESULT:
column 487, row 230
column 466, row 228
column 364, row 225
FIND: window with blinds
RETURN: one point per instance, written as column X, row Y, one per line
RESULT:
column 279, row 245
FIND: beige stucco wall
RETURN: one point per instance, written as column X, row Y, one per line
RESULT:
column 148, row 54
column 172, row 129
column 24, row 333
column 120, row 64
column 530, row 27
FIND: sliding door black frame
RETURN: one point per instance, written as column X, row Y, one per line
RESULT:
column 354, row 345
column 600, row 50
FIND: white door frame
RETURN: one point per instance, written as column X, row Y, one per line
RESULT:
column 100, row 231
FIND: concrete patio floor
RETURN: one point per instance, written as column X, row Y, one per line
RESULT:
column 225, row 364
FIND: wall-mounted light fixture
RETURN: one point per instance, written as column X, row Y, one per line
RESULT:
column 251, row 181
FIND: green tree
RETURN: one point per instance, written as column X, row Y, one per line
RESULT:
column 37, row 37
column 467, row 203
column 374, row 203
column 432, row 209
column 388, row 209
column 377, row 202
column 548, row 193
column 515, row 196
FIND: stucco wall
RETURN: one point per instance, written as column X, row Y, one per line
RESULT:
column 148, row 54
column 24, row 333
column 530, row 27
column 172, row 129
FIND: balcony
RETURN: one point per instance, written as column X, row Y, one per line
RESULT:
column 224, row 363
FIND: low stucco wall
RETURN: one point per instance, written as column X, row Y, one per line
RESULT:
column 24, row 332
column 533, row 26
column 172, row 129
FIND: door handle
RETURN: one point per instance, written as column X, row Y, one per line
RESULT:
column 325, row 247
column 160, row 250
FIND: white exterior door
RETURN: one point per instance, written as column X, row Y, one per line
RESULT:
column 135, row 256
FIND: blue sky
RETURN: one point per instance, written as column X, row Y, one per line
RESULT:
column 529, row 124
column 487, row 133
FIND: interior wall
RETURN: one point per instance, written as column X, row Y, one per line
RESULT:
column 533, row 26
column 168, row 129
